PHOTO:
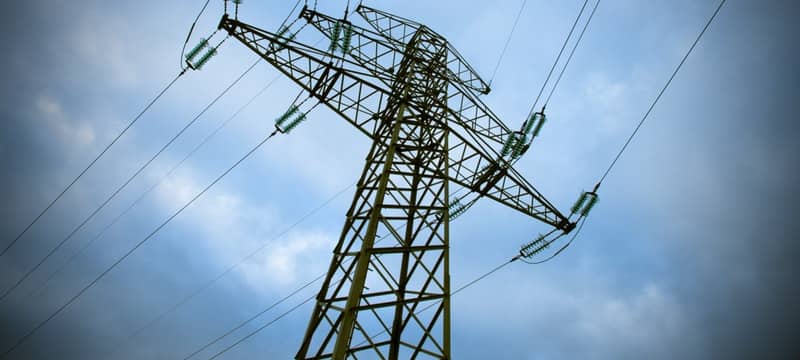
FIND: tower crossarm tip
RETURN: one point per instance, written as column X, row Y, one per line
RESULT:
column 399, row 31
column 496, row 179
column 350, row 93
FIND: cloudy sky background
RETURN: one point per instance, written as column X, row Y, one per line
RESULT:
column 690, row 254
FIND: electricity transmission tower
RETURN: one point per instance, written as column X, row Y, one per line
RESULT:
column 407, row 89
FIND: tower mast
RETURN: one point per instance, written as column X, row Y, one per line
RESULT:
column 407, row 89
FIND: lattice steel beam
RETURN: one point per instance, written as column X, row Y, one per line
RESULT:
column 407, row 89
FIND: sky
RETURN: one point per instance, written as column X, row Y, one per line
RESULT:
column 689, row 254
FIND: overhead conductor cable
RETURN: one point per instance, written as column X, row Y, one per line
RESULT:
column 123, row 186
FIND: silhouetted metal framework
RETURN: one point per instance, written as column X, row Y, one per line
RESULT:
column 406, row 88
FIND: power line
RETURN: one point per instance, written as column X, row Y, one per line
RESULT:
column 254, row 332
column 191, row 30
column 560, row 250
column 508, row 41
column 261, row 248
column 463, row 287
column 515, row 258
column 649, row 110
column 125, row 184
column 290, row 14
column 560, row 52
column 259, row 314
column 249, row 335
column 154, row 186
column 245, row 322
column 240, row 262
column 137, row 246
column 571, row 53
column 80, row 175
column 242, row 324
column 638, row 126
column 484, row 276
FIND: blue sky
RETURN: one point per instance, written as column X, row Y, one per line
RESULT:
column 690, row 253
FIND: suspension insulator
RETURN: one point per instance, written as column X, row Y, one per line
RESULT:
column 579, row 203
column 539, row 125
column 456, row 213
column 483, row 170
column 453, row 207
column 509, row 145
column 529, row 124
column 282, row 119
column 205, row 58
column 347, row 38
column 282, row 42
column 453, row 204
column 337, row 29
column 519, row 146
column 457, row 209
column 282, row 31
column 593, row 199
column 196, row 49
column 534, row 247
column 293, row 124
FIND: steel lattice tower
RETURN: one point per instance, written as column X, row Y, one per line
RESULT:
column 387, row 292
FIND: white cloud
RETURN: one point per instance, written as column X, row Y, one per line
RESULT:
column 232, row 229
column 609, row 97
column 291, row 258
column 327, row 152
column 637, row 323
column 70, row 132
column 106, row 51
column 578, row 313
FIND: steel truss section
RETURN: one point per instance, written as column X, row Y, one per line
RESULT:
column 407, row 89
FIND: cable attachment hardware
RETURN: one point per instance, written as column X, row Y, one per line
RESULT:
column 585, row 203
column 282, row 31
column 205, row 58
column 534, row 124
column 341, row 37
column 337, row 31
column 196, row 49
column 236, row 4
column 347, row 38
column 456, row 209
column 534, row 247
column 516, row 145
column 282, row 39
column 283, row 123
